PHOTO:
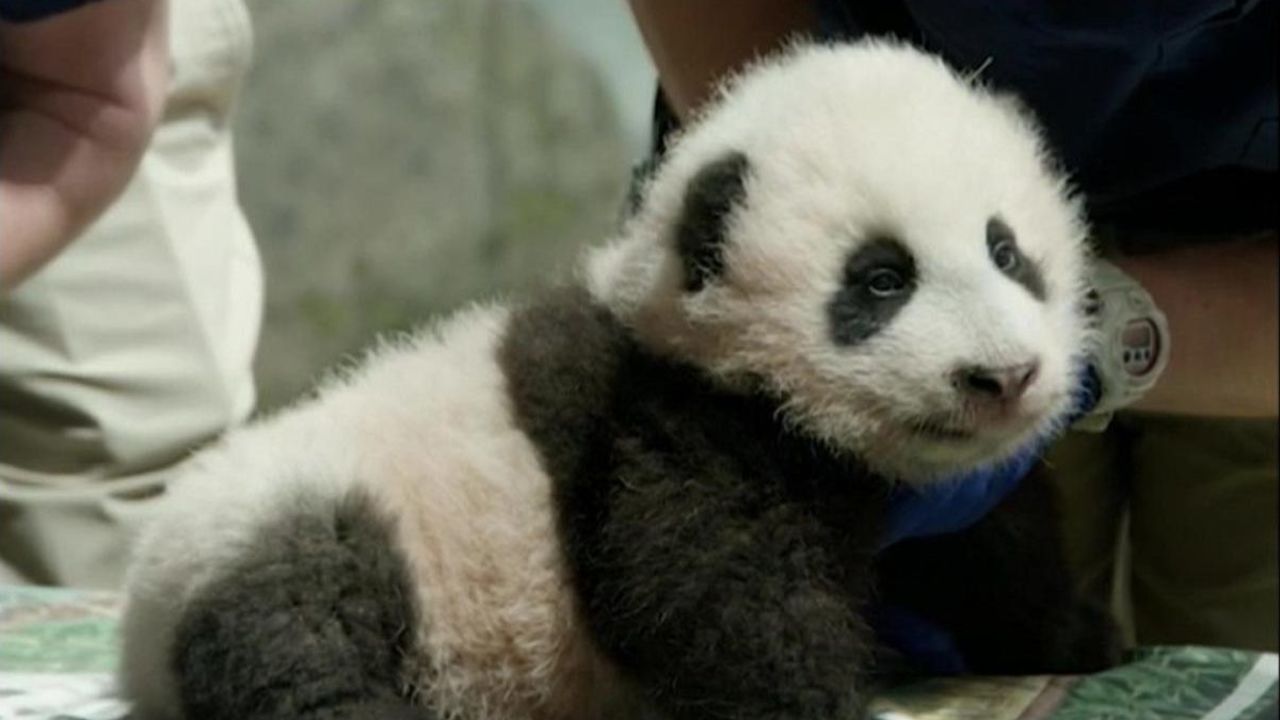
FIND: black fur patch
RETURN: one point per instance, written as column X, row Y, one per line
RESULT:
column 700, row 231
column 857, row 311
column 313, row 622
column 719, row 558
column 1023, row 269
column 561, row 358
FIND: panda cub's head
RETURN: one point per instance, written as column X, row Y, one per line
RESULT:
column 874, row 240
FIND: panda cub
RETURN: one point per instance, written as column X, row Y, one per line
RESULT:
column 659, row 493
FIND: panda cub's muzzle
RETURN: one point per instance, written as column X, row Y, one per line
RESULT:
column 987, row 399
column 1000, row 388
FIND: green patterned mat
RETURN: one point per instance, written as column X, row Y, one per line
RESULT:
column 45, row 630
column 1158, row 683
column 57, row 649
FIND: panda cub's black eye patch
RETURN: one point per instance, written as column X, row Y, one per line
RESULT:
column 1002, row 247
column 879, row 278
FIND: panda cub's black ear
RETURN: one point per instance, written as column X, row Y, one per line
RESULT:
column 701, row 230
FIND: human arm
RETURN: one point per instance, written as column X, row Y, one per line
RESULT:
column 80, row 94
column 1222, row 303
column 696, row 44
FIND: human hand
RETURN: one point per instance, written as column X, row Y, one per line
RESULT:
column 924, row 644
column 951, row 506
column 80, row 93
column 954, row 504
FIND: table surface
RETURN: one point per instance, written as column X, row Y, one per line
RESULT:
column 58, row 649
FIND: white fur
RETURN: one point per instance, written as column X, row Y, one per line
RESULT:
column 425, row 427
column 843, row 143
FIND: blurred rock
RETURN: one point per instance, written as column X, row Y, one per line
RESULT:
column 400, row 158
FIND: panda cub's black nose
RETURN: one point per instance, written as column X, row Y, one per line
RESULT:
column 995, row 383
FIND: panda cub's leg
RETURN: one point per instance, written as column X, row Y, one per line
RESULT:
column 723, row 595
column 312, row 623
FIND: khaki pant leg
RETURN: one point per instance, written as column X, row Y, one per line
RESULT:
column 134, row 346
column 84, row 543
column 1204, row 532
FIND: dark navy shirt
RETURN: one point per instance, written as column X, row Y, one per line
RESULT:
column 1165, row 114
column 27, row 10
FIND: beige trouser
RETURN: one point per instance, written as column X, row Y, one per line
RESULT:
column 1198, row 542
column 135, row 345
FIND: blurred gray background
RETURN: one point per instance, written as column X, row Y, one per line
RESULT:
column 399, row 158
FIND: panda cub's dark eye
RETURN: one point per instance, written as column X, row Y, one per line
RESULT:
column 1002, row 248
column 1005, row 256
column 886, row 282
